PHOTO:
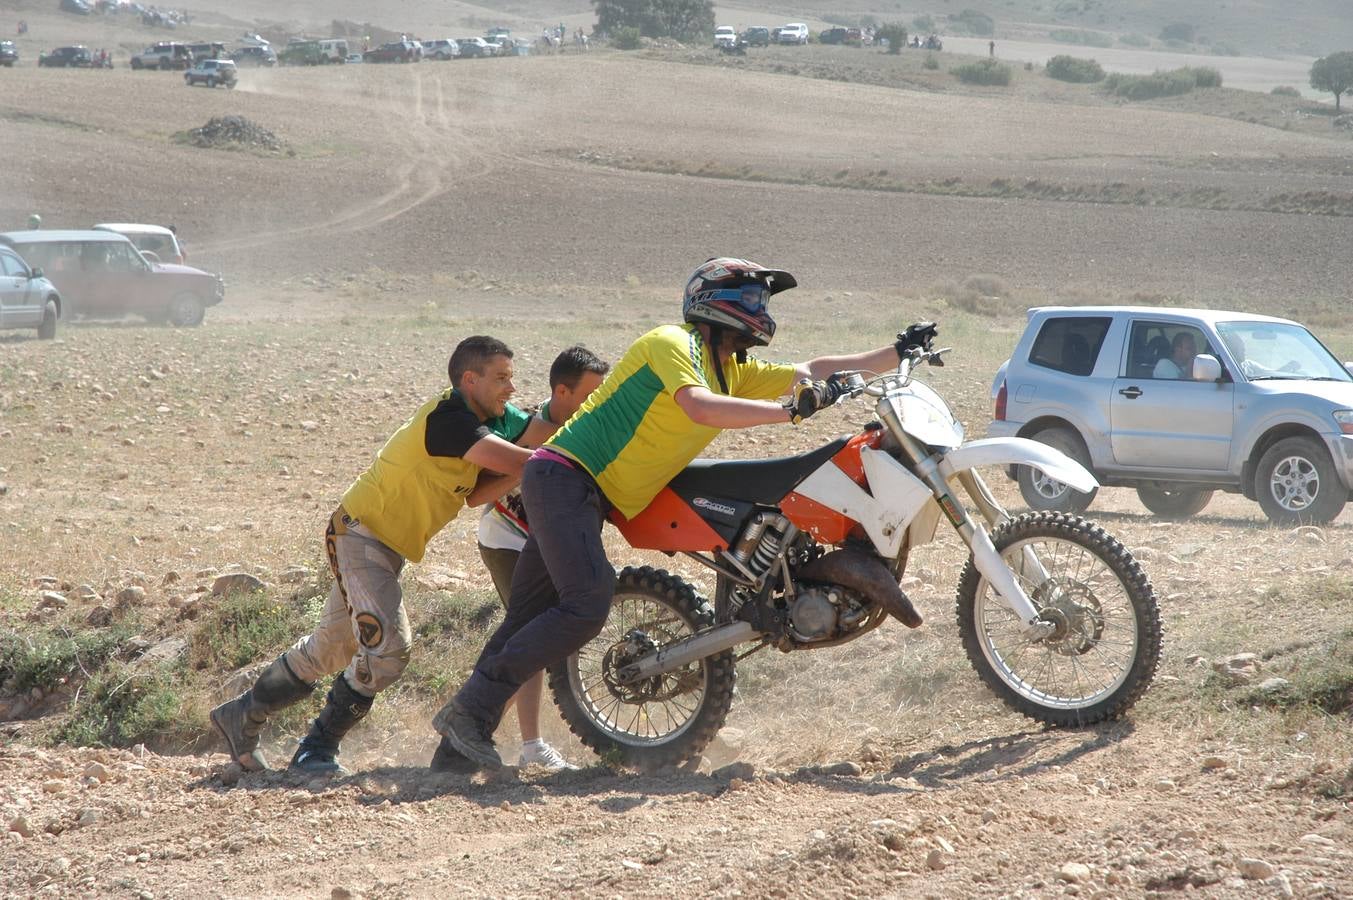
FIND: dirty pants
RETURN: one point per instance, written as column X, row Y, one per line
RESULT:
column 561, row 588
column 363, row 628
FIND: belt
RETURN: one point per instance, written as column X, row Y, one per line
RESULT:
column 548, row 455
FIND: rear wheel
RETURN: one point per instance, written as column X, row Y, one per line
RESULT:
column 47, row 330
column 1174, row 503
column 1043, row 493
column 1105, row 638
column 136, row 63
column 663, row 721
column 211, row 81
column 166, row 65
column 1296, row 483
column 186, row 311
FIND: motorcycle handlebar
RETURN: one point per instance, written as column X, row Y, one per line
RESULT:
column 857, row 383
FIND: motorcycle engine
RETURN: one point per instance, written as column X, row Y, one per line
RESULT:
column 814, row 614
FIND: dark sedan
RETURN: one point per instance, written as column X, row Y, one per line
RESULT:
column 67, row 57
column 395, row 51
column 9, row 54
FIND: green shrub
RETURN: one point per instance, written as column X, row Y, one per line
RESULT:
column 1180, row 32
column 895, row 33
column 1204, row 76
column 1076, row 71
column 47, row 657
column 625, row 38
column 1077, row 36
column 1134, row 40
column 985, row 71
column 244, row 629
column 975, row 23
column 123, row 705
column 1161, row 84
column 1285, row 90
column 930, row 62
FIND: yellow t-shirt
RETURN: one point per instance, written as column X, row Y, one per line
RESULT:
column 419, row 480
column 631, row 435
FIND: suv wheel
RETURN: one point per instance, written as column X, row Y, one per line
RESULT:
column 47, row 330
column 136, row 63
column 1173, row 503
column 1296, row 483
column 1041, row 492
column 211, row 81
column 186, row 311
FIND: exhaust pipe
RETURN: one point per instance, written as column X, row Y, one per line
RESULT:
column 688, row 650
column 866, row 574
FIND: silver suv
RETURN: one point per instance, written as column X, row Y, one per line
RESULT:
column 1180, row 403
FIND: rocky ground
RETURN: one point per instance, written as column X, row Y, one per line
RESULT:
column 145, row 472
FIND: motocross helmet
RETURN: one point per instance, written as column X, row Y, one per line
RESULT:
column 734, row 294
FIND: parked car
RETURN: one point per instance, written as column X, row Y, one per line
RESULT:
column 354, row 58
column 793, row 33
column 212, row 72
column 725, row 36
column 9, row 54
column 394, row 51
column 443, row 49
column 757, row 36
column 163, row 55
column 333, row 50
column 101, row 274
column 150, row 239
column 254, row 56
column 1179, row 404
column 471, row 48
column 79, row 7
column 301, row 53
column 27, row 299
column 497, row 46
column 499, row 33
column 833, row 36
column 77, row 57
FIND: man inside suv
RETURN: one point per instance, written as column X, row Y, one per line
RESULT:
column 1179, row 364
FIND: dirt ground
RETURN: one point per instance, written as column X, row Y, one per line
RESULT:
column 425, row 203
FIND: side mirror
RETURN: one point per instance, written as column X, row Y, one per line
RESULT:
column 1206, row 368
column 36, row 274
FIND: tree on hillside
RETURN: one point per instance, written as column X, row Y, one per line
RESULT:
column 685, row 20
column 1333, row 74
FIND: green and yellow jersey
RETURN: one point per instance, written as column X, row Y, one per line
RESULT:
column 631, row 435
column 420, row 478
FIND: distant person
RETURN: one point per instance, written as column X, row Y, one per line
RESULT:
column 991, row 49
column 503, row 530
column 34, row 222
column 1179, row 364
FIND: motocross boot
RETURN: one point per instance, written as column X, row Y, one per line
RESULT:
column 447, row 759
column 239, row 721
column 343, row 708
column 468, row 736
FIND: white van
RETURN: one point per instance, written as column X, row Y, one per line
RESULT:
column 794, row 33
column 150, row 239
column 725, row 36
column 333, row 51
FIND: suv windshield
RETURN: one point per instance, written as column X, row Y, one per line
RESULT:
column 1270, row 350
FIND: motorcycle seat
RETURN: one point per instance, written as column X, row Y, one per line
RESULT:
column 764, row 481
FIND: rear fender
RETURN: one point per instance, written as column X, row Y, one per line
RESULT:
column 1020, row 452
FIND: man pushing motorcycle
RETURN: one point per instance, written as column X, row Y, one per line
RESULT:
column 671, row 393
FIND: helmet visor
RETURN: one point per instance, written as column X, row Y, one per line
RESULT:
column 750, row 298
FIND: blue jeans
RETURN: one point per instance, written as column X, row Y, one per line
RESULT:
column 561, row 588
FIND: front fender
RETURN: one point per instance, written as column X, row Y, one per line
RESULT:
column 1021, row 452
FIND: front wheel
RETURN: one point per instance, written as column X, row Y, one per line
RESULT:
column 186, row 311
column 1173, row 503
column 47, row 330
column 665, row 720
column 1296, row 483
column 1041, row 492
column 1105, row 633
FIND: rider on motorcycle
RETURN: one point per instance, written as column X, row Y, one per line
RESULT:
column 667, row 398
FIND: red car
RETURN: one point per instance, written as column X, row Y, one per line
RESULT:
column 395, row 51
column 101, row 274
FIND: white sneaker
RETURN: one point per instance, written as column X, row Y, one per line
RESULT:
column 539, row 753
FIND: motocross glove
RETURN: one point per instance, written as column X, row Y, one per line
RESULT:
column 811, row 396
column 918, row 336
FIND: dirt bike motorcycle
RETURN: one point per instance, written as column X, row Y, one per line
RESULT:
column 808, row 551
